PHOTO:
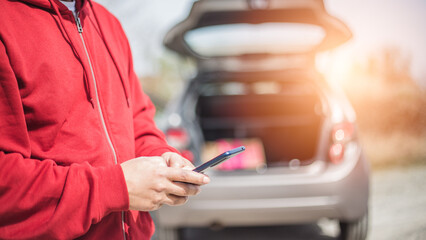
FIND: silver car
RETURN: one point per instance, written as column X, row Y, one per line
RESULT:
column 257, row 86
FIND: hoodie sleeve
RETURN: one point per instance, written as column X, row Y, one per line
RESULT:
column 38, row 198
column 149, row 140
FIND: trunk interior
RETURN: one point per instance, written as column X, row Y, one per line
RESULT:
column 284, row 115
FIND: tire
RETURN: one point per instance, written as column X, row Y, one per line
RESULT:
column 355, row 230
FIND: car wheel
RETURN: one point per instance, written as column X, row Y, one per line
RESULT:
column 355, row 230
column 167, row 233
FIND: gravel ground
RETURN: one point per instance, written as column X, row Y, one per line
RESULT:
column 398, row 204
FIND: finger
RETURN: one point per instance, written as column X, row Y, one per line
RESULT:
column 171, row 158
column 188, row 165
column 177, row 161
column 161, row 161
column 182, row 163
column 187, row 176
column 184, row 189
column 174, row 200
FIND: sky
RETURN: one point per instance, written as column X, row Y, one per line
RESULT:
column 375, row 24
column 384, row 23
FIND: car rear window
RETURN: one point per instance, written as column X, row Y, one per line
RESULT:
column 243, row 38
column 256, row 88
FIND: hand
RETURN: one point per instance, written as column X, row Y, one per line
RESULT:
column 151, row 183
column 177, row 161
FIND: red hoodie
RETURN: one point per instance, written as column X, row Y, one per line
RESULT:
column 71, row 110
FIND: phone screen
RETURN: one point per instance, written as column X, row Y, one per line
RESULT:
column 219, row 159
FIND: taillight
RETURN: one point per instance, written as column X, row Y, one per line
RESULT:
column 188, row 155
column 179, row 139
column 341, row 134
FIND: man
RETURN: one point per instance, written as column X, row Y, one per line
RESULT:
column 80, row 155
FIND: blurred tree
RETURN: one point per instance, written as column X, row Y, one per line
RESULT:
column 171, row 74
column 390, row 65
column 390, row 107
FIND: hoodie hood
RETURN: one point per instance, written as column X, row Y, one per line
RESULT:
column 46, row 4
column 57, row 8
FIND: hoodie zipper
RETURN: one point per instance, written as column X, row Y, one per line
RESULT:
column 80, row 32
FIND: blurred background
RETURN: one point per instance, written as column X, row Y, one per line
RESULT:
column 381, row 69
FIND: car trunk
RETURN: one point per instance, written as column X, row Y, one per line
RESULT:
column 253, row 40
column 286, row 119
column 210, row 13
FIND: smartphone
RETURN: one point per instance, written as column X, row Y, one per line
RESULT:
column 219, row 159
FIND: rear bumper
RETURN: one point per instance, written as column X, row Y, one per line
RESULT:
column 339, row 192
